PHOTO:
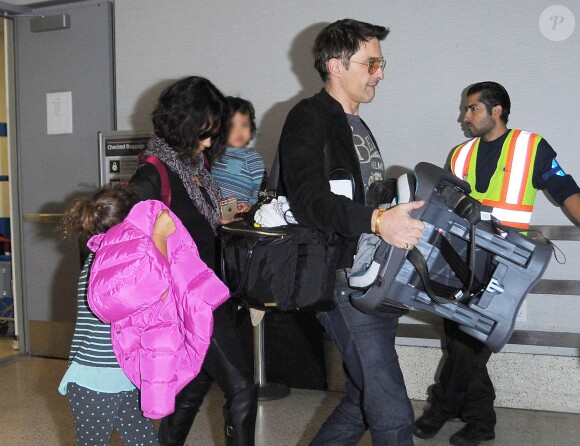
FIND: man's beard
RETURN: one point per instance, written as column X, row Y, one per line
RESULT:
column 485, row 126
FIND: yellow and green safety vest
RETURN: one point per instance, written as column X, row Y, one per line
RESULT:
column 510, row 191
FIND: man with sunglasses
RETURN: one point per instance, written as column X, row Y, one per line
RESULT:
column 323, row 140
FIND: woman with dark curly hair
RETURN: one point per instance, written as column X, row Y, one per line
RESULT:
column 190, row 120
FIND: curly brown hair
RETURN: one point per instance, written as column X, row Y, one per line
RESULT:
column 88, row 216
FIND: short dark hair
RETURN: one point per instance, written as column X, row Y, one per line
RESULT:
column 340, row 40
column 245, row 107
column 492, row 94
column 189, row 111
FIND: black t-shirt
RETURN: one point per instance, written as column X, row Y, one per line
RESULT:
column 548, row 174
column 372, row 166
column 147, row 184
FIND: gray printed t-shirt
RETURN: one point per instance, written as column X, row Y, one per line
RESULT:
column 372, row 166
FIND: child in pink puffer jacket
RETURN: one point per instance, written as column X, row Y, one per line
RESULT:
column 159, row 297
column 154, row 298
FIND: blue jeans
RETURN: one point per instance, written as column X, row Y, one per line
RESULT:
column 376, row 397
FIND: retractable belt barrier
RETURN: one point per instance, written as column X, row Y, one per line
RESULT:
column 480, row 285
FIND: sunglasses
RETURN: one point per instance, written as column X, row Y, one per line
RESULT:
column 373, row 64
column 212, row 133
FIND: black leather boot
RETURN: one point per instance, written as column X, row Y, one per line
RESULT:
column 240, row 417
column 175, row 427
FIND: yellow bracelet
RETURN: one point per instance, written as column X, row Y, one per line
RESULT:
column 378, row 221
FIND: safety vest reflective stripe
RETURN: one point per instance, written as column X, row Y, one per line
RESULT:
column 530, row 160
column 508, row 206
column 518, row 167
column 507, row 215
column 512, row 137
column 511, row 190
column 516, row 225
column 462, row 158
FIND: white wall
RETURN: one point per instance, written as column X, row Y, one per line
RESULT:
column 261, row 51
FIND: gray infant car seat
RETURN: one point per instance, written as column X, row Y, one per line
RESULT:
column 467, row 267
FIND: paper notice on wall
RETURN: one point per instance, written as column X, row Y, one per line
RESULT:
column 59, row 113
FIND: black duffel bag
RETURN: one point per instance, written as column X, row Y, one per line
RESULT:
column 285, row 267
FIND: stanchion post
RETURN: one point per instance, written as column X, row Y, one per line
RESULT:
column 267, row 391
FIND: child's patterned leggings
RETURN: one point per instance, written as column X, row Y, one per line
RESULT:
column 96, row 414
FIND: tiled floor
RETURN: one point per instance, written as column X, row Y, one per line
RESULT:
column 32, row 412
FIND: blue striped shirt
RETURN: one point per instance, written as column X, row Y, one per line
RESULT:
column 91, row 344
column 241, row 173
column 92, row 362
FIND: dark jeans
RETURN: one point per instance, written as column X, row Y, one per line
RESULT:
column 465, row 389
column 376, row 397
column 225, row 363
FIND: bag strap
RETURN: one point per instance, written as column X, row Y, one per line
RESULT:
column 244, row 275
column 418, row 261
column 453, row 258
column 162, row 170
column 274, row 173
column 438, row 292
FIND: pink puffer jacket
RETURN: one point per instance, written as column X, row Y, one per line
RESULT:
column 160, row 344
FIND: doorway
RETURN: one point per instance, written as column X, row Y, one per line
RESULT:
column 64, row 96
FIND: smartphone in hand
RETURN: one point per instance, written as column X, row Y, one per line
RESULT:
column 229, row 208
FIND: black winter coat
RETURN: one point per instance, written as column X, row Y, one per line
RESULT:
column 316, row 146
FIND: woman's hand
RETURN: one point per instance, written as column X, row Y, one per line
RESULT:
column 242, row 207
column 225, row 221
